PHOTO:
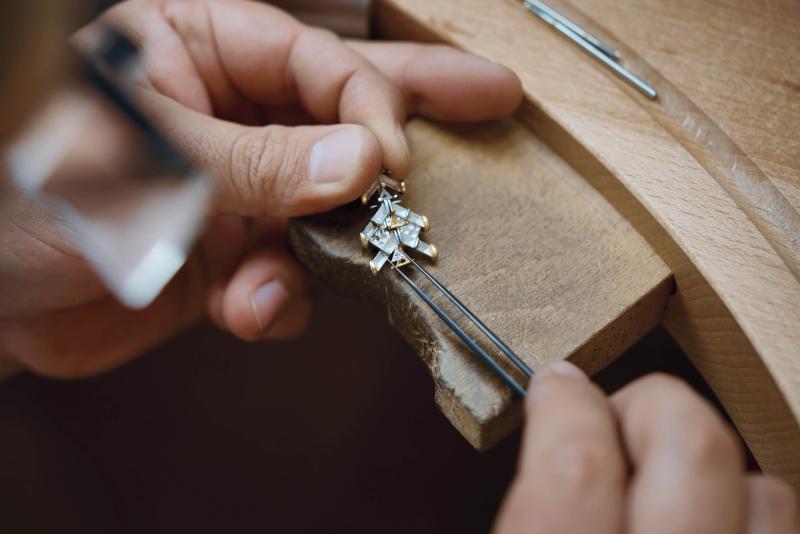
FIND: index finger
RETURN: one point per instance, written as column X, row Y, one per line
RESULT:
column 249, row 55
column 571, row 476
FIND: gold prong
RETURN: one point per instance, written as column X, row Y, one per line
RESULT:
column 364, row 199
column 434, row 253
column 425, row 223
column 364, row 241
column 373, row 268
column 402, row 186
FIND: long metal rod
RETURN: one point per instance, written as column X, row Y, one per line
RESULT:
column 593, row 50
column 594, row 41
column 522, row 366
column 463, row 336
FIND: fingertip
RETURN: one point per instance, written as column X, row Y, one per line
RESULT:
column 508, row 90
column 384, row 146
column 396, row 153
column 341, row 166
column 496, row 91
column 267, row 302
column 453, row 85
column 564, row 368
column 553, row 373
column 293, row 321
column 370, row 162
column 249, row 311
column 261, row 292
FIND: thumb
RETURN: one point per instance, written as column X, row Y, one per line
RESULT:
column 274, row 170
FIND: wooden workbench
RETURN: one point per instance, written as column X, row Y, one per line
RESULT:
column 597, row 213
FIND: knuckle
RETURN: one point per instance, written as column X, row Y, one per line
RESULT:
column 580, row 465
column 708, row 443
column 321, row 34
column 777, row 496
column 701, row 436
column 261, row 164
column 242, row 163
column 660, row 397
column 286, row 174
column 703, row 439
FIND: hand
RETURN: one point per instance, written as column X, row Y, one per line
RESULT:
column 217, row 72
column 653, row 458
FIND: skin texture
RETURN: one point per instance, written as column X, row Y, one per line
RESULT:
column 654, row 457
column 247, row 92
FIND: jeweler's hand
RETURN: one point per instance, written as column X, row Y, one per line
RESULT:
column 653, row 458
column 290, row 120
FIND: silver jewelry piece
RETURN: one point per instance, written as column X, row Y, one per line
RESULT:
column 393, row 227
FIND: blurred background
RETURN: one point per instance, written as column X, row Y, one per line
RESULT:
column 336, row 431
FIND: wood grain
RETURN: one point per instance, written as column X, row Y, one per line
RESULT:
column 526, row 243
column 708, row 174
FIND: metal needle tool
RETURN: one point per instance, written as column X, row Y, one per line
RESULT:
column 392, row 227
column 594, row 41
column 589, row 43
column 522, row 366
column 462, row 335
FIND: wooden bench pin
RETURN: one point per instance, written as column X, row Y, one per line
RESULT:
column 393, row 227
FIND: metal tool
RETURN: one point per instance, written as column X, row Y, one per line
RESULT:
column 135, row 221
column 591, row 44
column 393, row 227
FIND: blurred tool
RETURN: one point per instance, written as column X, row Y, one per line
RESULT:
column 591, row 44
column 131, row 204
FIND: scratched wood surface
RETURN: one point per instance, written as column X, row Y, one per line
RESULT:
column 708, row 173
column 526, row 243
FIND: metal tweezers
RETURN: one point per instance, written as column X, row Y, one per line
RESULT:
column 471, row 344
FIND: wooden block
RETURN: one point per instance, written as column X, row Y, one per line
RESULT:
column 708, row 173
column 524, row 241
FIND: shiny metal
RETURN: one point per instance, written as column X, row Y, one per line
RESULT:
column 594, row 41
column 522, row 366
column 393, row 227
column 462, row 335
column 589, row 46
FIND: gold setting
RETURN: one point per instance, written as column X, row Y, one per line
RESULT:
column 393, row 229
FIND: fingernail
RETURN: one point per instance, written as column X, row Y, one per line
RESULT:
column 266, row 302
column 333, row 157
column 565, row 368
